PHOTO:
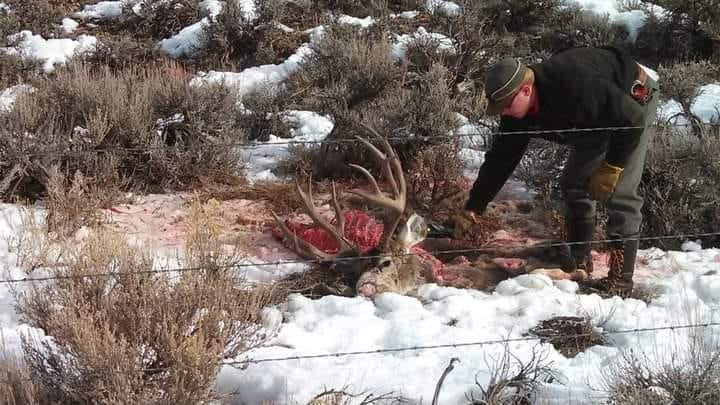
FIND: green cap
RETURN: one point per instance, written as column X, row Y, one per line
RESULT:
column 502, row 82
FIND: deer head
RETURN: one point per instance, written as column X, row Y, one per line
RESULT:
column 389, row 266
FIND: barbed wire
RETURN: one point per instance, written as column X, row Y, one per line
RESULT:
column 246, row 362
column 341, row 259
column 466, row 344
column 424, row 138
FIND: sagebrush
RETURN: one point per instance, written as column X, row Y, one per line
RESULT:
column 123, row 333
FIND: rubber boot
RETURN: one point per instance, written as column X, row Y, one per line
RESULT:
column 581, row 231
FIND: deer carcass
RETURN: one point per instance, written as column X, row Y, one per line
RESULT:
column 400, row 261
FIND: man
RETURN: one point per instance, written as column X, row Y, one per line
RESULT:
column 580, row 88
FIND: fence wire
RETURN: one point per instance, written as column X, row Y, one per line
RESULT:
column 415, row 138
column 336, row 259
column 246, row 362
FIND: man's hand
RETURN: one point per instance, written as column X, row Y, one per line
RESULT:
column 603, row 181
column 463, row 222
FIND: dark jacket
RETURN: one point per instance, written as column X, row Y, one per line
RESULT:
column 578, row 88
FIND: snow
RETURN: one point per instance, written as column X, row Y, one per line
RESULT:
column 705, row 106
column 69, row 25
column 249, row 9
column 687, row 281
column 443, row 316
column 406, row 14
column 49, row 51
column 11, row 220
column 253, row 78
column 633, row 20
column 210, row 8
column 9, row 95
column 100, row 11
column 306, row 127
column 401, row 42
column 690, row 246
column 361, row 22
column 188, row 41
column 448, row 8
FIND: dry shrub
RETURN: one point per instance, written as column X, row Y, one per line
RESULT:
column 685, row 374
column 681, row 82
column 73, row 202
column 573, row 26
column 347, row 67
column 345, row 397
column 679, row 187
column 353, row 77
column 300, row 160
column 233, row 41
column 231, row 38
column 541, row 169
column 122, row 50
column 519, row 15
column 435, row 178
column 355, row 8
column 15, row 70
column 39, row 16
column 263, row 116
column 513, row 380
column 16, row 386
column 569, row 335
column 684, row 32
column 157, row 19
column 128, row 334
column 144, row 123
column 477, row 46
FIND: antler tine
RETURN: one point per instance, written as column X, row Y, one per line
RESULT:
column 383, row 157
column 393, row 171
column 336, row 234
column 339, row 217
column 394, row 163
column 300, row 246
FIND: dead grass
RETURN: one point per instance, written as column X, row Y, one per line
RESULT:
column 16, row 386
column 129, row 335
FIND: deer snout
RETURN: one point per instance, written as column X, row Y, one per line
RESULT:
column 367, row 290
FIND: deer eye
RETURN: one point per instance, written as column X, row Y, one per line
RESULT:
column 385, row 263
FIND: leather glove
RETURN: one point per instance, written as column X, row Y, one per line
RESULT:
column 463, row 222
column 603, row 181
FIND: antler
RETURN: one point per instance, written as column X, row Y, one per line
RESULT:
column 306, row 249
column 392, row 170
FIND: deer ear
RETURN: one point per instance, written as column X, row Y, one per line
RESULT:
column 413, row 231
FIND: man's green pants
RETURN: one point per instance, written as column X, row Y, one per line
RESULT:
column 625, row 204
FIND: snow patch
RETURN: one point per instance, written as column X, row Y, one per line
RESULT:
column 50, row 51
